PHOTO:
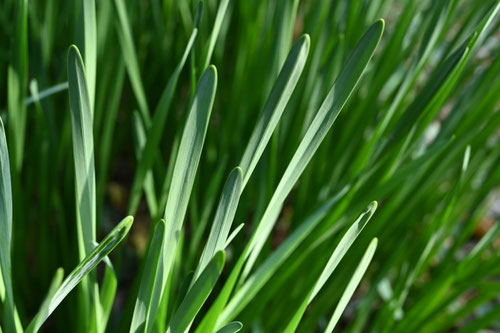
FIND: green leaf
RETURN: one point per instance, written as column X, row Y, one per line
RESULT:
column 83, row 152
column 209, row 322
column 17, row 77
column 46, row 93
column 84, row 267
column 90, row 47
column 6, row 233
column 107, row 292
column 232, row 327
column 130, row 58
column 185, row 167
column 154, row 134
column 152, row 275
column 197, row 295
column 233, row 234
column 353, row 284
column 324, row 119
column 221, row 12
column 223, row 220
column 337, row 255
column 147, row 180
column 275, row 105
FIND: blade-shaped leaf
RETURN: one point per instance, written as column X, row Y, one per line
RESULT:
column 232, row 327
column 90, row 46
column 221, row 12
column 337, row 255
column 233, row 234
column 185, row 167
column 353, row 284
column 84, row 267
column 148, row 180
column 107, row 292
column 155, row 132
column 197, row 295
column 17, row 77
column 223, row 219
column 83, row 151
column 275, row 105
column 152, row 275
column 129, row 56
column 6, row 232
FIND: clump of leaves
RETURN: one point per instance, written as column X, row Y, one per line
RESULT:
column 315, row 110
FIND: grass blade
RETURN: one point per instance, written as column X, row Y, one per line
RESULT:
column 221, row 12
column 6, row 232
column 83, row 151
column 90, row 46
column 107, row 292
column 156, row 130
column 46, row 93
column 233, row 234
column 130, row 58
column 337, row 255
column 185, row 167
column 153, row 271
column 17, row 77
column 197, row 295
column 84, row 267
column 85, row 188
column 275, row 105
column 232, row 327
column 353, row 284
column 148, row 179
column 223, row 220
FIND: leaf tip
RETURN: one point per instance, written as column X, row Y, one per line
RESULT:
column 238, row 171
column 380, row 23
column 372, row 207
column 73, row 50
column 306, row 39
column 127, row 223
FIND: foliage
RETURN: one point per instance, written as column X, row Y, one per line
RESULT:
column 308, row 110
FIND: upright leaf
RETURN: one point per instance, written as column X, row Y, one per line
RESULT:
column 6, row 232
column 353, row 283
column 185, row 167
column 90, row 46
column 83, row 150
column 130, row 58
column 155, row 132
column 197, row 295
column 221, row 12
column 223, row 220
column 17, row 77
column 275, row 105
column 153, row 274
